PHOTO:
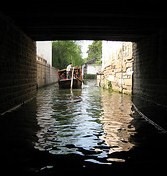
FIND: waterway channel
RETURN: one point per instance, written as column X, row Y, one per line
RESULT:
column 88, row 131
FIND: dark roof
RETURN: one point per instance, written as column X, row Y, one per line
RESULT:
column 99, row 20
column 91, row 61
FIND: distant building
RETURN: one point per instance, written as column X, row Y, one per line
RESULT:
column 91, row 67
column 44, row 50
column 46, row 74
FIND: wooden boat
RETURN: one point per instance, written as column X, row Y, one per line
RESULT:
column 73, row 82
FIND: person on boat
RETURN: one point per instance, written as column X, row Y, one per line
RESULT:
column 62, row 76
column 68, row 70
column 76, row 73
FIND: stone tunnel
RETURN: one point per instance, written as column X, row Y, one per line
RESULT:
column 144, row 24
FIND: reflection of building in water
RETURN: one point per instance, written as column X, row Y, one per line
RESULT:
column 116, row 121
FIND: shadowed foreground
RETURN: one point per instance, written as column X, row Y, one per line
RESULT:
column 48, row 137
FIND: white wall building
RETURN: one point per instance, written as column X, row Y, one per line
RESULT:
column 93, row 69
column 44, row 50
column 110, row 50
column 46, row 74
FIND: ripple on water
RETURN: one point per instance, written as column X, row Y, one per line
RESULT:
column 90, row 122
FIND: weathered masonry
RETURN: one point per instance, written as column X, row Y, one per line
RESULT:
column 17, row 66
column 138, row 23
column 117, row 67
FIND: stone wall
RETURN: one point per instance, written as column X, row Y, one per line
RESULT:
column 150, row 73
column 46, row 74
column 18, row 69
column 118, row 68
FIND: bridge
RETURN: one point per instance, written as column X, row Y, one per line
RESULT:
column 116, row 20
column 143, row 23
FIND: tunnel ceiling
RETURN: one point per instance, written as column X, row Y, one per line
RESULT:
column 119, row 21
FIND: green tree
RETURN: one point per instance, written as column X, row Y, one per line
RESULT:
column 95, row 51
column 64, row 52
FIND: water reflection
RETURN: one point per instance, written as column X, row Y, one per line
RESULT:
column 90, row 122
column 116, row 121
column 86, row 132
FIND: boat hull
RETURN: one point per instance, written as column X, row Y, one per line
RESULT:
column 66, row 84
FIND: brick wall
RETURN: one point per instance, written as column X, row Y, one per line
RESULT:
column 18, row 68
column 46, row 74
column 150, row 71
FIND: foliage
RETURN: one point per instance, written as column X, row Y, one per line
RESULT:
column 95, row 51
column 64, row 52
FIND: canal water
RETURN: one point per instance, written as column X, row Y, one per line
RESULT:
column 88, row 131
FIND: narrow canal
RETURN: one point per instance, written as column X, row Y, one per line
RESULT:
column 91, row 131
